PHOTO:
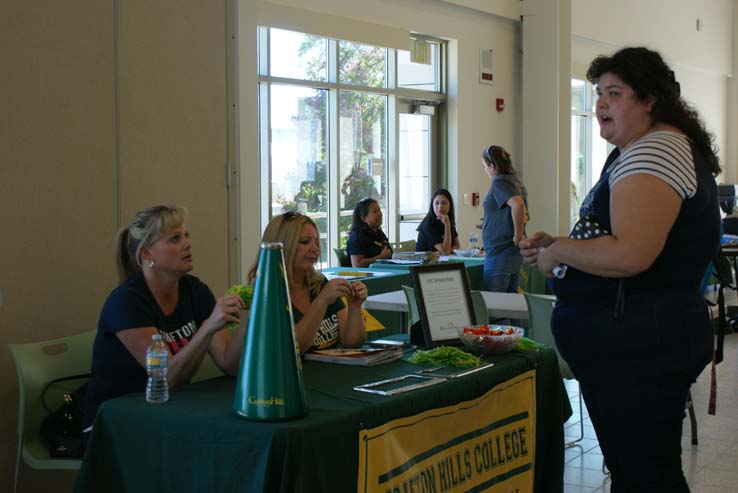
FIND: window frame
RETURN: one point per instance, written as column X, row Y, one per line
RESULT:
column 394, row 97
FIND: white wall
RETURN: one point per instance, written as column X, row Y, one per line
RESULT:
column 471, row 106
column 702, row 60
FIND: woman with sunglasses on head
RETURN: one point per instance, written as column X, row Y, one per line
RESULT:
column 503, row 224
column 367, row 242
column 157, row 295
column 322, row 320
column 437, row 230
column 630, row 318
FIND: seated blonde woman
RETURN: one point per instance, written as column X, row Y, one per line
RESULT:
column 322, row 320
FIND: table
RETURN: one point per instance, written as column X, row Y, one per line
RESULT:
column 499, row 305
column 194, row 442
column 474, row 268
column 381, row 281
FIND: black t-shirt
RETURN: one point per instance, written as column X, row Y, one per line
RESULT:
column 328, row 333
column 430, row 233
column 364, row 241
column 115, row 371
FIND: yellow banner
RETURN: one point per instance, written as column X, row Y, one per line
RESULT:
column 486, row 444
column 370, row 322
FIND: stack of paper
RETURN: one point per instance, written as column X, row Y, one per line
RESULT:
column 361, row 357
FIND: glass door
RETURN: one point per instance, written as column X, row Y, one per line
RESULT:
column 416, row 164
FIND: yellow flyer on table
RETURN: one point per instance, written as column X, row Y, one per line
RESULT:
column 486, row 444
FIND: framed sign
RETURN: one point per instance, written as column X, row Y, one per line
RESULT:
column 444, row 303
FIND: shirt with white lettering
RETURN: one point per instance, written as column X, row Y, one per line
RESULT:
column 328, row 333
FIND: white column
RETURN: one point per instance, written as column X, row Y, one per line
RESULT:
column 546, row 113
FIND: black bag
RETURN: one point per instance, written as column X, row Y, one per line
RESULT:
column 62, row 428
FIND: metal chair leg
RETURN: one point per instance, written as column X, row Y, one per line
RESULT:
column 692, row 418
column 17, row 463
column 581, row 423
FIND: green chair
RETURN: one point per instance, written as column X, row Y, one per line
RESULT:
column 344, row 260
column 37, row 363
column 208, row 369
column 540, row 308
column 480, row 307
column 412, row 307
column 404, row 246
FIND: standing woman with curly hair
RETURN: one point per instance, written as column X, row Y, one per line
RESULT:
column 503, row 225
column 630, row 318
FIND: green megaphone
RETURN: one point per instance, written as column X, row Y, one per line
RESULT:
column 270, row 383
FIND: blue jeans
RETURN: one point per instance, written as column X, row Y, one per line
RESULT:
column 635, row 373
column 501, row 271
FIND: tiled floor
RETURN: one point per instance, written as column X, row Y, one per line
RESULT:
column 710, row 467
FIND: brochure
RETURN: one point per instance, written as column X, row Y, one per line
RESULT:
column 360, row 357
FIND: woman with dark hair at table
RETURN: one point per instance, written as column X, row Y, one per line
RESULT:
column 503, row 224
column 367, row 242
column 157, row 295
column 322, row 320
column 437, row 230
column 630, row 318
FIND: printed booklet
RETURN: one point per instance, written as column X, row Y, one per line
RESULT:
column 361, row 357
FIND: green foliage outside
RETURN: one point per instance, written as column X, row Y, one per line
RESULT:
column 361, row 65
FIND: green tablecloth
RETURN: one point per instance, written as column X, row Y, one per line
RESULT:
column 194, row 443
column 474, row 268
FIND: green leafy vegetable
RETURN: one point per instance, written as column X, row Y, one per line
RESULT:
column 525, row 344
column 244, row 291
column 445, row 356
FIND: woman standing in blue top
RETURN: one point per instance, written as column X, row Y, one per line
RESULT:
column 367, row 242
column 503, row 225
column 157, row 295
column 630, row 318
column 437, row 230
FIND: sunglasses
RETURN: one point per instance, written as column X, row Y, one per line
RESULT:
column 289, row 215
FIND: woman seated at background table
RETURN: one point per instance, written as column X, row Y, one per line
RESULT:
column 437, row 230
column 367, row 242
column 158, row 296
column 322, row 320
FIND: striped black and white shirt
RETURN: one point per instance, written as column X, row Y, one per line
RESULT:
column 664, row 154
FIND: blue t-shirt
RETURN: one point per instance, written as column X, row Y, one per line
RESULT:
column 498, row 228
column 131, row 305
column 430, row 233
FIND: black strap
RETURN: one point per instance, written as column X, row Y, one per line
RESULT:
column 59, row 380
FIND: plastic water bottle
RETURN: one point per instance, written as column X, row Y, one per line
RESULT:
column 473, row 240
column 157, row 358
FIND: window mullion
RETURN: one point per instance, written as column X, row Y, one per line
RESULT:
column 334, row 185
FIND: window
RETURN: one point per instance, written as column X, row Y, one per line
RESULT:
column 334, row 118
column 588, row 150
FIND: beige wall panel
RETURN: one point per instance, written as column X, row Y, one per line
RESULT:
column 173, row 120
column 57, row 188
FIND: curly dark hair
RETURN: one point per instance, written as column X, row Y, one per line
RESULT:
column 646, row 72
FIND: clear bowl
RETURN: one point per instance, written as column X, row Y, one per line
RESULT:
column 491, row 344
column 468, row 252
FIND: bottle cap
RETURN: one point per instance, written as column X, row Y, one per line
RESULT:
column 156, row 337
